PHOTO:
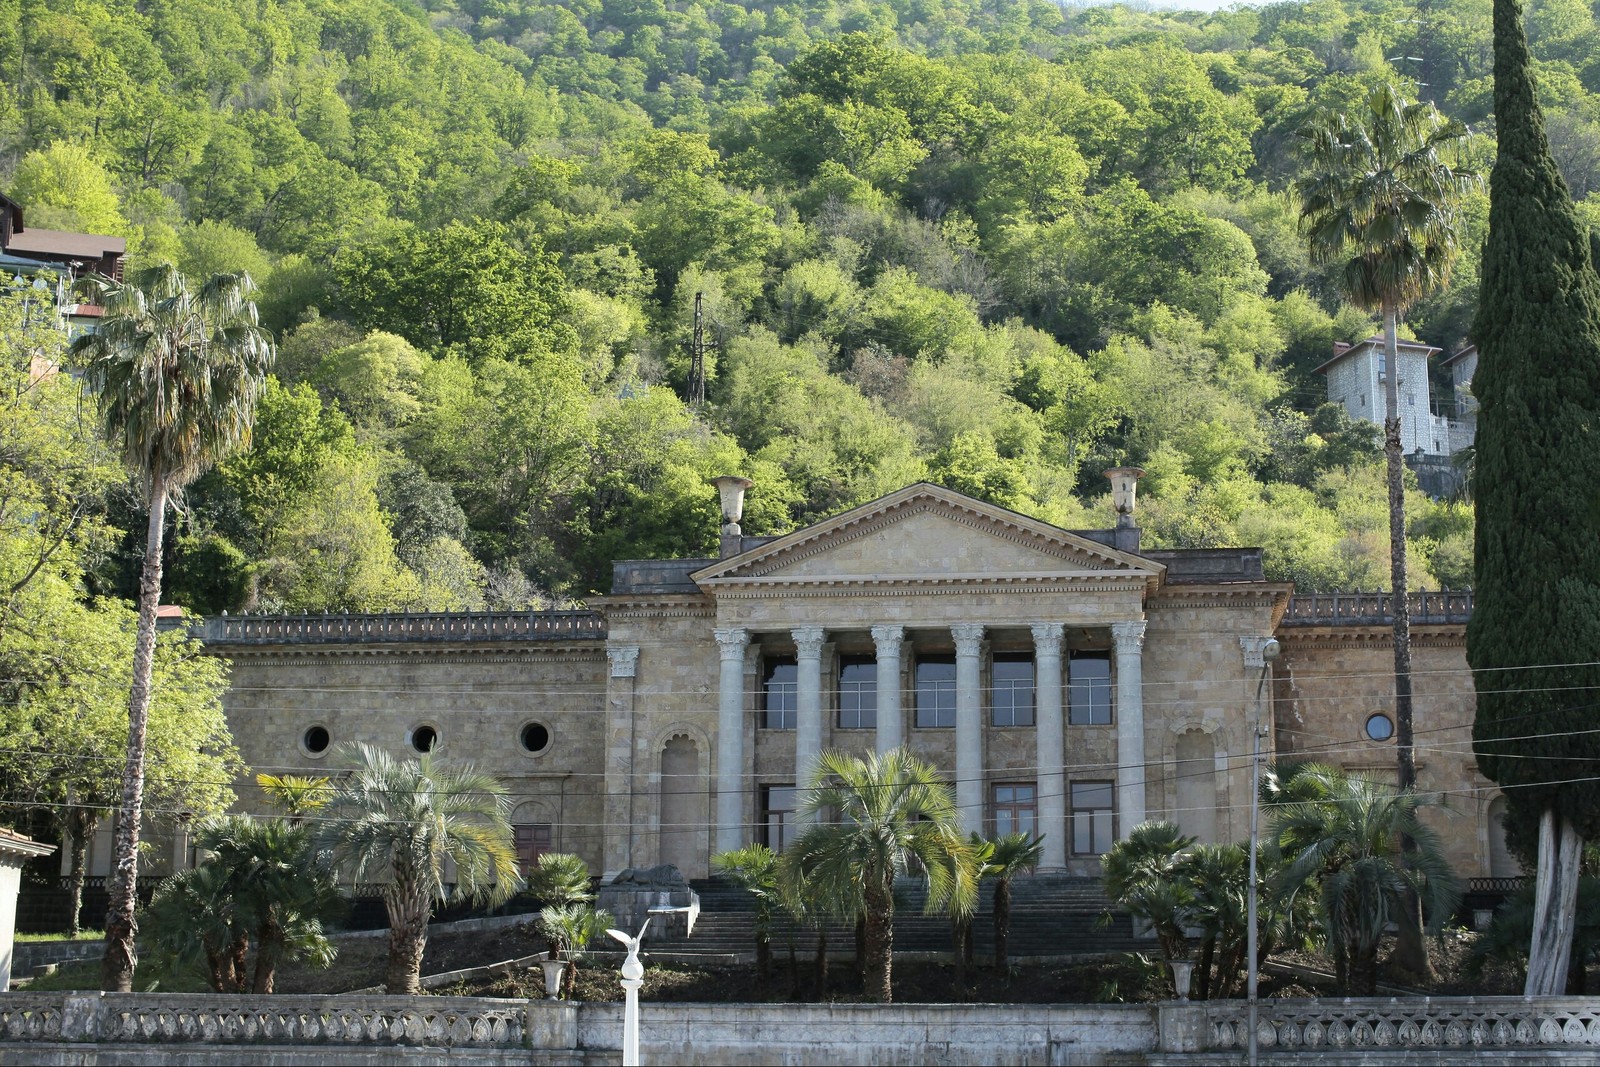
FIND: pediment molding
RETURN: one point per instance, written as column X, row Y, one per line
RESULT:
column 1082, row 559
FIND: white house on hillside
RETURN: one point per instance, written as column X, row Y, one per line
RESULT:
column 1357, row 376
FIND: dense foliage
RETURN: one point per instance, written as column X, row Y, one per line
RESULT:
column 999, row 247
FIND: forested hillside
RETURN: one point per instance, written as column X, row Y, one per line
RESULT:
column 997, row 246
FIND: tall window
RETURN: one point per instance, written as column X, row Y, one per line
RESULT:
column 1011, row 693
column 1016, row 808
column 779, row 693
column 777, row 807
column 1089, row 689
column 858, row 693
column 1091, row 818
column 532, row 840
column 936, row 692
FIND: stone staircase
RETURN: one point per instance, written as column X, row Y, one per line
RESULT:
column 1050, row 916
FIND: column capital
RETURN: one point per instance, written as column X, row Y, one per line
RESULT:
column 1047, row 638
column 624, row 660
column 968, row 635
column 888, row 635
column 732, row 642
column 1128, row 636
column 1251, row 648
column 808, row 641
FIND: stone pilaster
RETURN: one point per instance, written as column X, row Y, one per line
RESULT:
column 732, row 765
column 1129, row 640
column 889, row 642
column 617, row 848
column 1049, row 732
column 969, row 724
column 808, row 642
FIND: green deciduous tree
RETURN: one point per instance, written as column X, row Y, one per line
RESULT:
column 1536, row 620
column 177, row 373
column 399, row 821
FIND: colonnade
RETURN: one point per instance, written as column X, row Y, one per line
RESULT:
column 734, row 762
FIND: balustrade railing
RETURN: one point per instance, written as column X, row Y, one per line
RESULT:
column 1464, row 1023
column 156, row 1018
column 400, row 626
column 1313, row 609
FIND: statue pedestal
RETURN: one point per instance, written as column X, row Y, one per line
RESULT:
column 661, row 894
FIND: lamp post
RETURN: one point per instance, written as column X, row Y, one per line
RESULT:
column 1269, row 652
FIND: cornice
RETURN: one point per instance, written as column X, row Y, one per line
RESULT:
column 927, row 585
column 288, row 656
column 1237, row 597
column 1373, row 637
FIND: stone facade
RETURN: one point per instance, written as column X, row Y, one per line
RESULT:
column 1066, row 682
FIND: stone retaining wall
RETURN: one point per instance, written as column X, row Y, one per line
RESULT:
column 101, row 1028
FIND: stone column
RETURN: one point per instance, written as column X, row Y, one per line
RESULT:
column 808, row 703
column 1129, row 640
column 731, row 763
column 1049, row 735
column 969, row 725
column 889, row 641
column 617, row 848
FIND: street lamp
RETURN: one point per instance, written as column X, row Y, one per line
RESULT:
column 1269, row 652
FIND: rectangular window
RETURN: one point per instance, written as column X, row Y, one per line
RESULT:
column 936, row 692
column 1091, row 818
column 1011, row 691
column 532, row 840
column 777, row 807
column 1016, row 808
column 779, row 693
column 1089, row 689
column 858, row 693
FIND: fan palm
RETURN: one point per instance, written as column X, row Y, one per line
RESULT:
column 876, row 816
column 1219, row 876
column 754, row 869
column 965, row 863
column 261, row 880
column 295, row 795
column 1348, row 841
column 1145, row 877
column 177, row 373
column 1010, row 856
column 403, row 820
column 1380, row 204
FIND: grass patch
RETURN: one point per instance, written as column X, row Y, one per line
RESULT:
column 83, row 935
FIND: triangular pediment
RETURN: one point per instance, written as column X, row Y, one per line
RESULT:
column 927, row 533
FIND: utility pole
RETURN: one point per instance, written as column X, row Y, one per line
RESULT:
column 697, row 357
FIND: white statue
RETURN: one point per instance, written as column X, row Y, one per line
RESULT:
column 632, row 969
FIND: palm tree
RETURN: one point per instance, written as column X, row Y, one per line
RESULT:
column 569, row 928
column 1011, row 855
column 1348, row 840
column 262, row 880
column 403, row 819
column 1381, row 205
column 1145, row 877
column 754, row 869
column 559, row 878
column 295, row 795
column 1219, row 876
column 177, row 373
column 876, row 814
column 965, row 864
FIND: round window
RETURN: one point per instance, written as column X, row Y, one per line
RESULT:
column 535, row 738
column 316, row 740
column 1380, row 727
column 424, row 739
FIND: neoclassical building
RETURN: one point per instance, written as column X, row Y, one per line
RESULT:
column 1068, row 682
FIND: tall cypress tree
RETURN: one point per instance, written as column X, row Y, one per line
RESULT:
column 1536, row 621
